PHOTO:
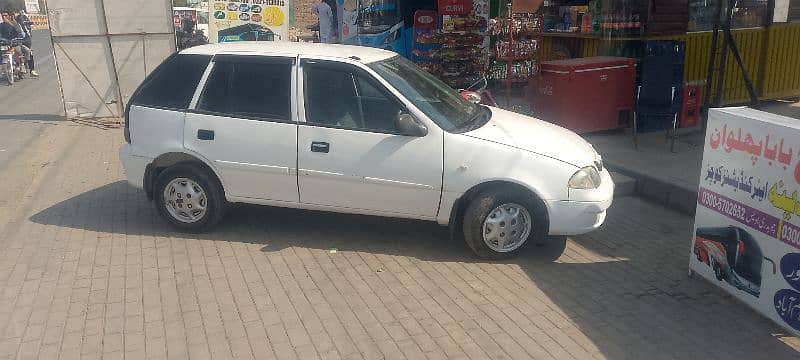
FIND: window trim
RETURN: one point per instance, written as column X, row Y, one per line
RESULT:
column 241, row 117
column 352, row 70
column 248, row 59
column 150, row 77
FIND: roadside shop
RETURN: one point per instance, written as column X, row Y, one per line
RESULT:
column 547, row 50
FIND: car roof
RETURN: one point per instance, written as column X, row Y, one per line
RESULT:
column 293, row 49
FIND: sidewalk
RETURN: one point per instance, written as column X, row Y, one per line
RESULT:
column 89, row 270
column 669, row 178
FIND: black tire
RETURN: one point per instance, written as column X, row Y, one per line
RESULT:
column 482, row 205
column 215, row 197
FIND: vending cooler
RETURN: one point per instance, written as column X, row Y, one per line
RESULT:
column 585, row 94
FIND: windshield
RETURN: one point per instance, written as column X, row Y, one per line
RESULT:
column 440, row 102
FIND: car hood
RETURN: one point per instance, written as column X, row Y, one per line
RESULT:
column 537, row 136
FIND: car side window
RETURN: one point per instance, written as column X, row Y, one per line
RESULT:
column 379, row 110
column 172, row 85
column 248, row 89
column 338, row 96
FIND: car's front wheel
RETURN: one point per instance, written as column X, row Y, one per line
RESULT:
column 497, row 223
column 189, row 198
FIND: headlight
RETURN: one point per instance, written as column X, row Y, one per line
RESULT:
column 584, row 179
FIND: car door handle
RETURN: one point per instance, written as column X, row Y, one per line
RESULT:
column 204, row 134
column 320, row 147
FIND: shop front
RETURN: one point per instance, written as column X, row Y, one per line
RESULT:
column 509, row 42
column 767, row 34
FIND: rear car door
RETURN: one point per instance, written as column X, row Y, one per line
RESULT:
column 351, row 156
column 243, row 123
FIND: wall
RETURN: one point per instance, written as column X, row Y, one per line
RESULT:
column 105, row 48
column 771, row 56
column 303, row 16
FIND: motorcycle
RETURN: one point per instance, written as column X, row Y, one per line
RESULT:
column 477, row 93
column 12, row 63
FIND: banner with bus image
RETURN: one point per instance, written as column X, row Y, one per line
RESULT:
column 249, row 20
column 746, row 236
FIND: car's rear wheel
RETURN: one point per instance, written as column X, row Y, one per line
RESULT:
column 497, row 223
column 189, row 198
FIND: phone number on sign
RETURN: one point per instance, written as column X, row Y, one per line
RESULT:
column 724, row 206
column 742, row 213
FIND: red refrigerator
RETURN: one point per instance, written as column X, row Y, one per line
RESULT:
column 585, row 94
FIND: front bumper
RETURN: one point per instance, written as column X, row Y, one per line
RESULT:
column 134, row 165
column 584, row 212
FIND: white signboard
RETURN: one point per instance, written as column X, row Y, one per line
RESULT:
column 248, row 20
column 32, row 6
column 746, row 233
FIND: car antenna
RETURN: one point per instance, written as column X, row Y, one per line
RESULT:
column 356, row 58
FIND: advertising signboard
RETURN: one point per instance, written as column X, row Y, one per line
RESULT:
column 455, row 7
column 32, row 6
column 248, row 20
column 746, row 236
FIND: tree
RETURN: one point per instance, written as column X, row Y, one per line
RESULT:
column 12, row 5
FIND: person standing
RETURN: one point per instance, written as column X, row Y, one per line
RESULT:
column 25, row 21
column 23, row 24
column 325, row 14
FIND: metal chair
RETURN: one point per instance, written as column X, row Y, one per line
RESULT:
column 656, row 96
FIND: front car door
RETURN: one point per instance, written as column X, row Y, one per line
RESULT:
column 351, row 156
column 244, row 124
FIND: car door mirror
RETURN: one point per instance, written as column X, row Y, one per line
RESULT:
column 407, row 125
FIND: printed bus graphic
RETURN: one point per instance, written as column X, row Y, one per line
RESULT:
column 733, row 255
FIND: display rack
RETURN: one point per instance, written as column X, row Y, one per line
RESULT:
column 426, row 50
column 517, row 39
column 464, row 53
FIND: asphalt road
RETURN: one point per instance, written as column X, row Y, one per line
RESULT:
column 30, row 105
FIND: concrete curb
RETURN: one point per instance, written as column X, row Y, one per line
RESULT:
column 673, row 196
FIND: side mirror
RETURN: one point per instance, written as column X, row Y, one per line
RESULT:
column 407, row 125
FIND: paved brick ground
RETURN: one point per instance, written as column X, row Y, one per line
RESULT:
column 88, row 270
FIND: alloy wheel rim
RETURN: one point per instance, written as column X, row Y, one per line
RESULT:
column 507, row 227
column 185, row 200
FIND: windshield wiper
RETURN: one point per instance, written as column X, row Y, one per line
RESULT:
column 476, row 121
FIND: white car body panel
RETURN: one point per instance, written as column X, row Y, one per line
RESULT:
column 371, row 171
column 469, row 161
column 157, row 131
column 254, row 159
column 537, row 136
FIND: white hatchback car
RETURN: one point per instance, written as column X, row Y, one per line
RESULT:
column 355, row 130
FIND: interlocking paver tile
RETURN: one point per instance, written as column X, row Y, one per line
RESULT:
column 88, row 269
